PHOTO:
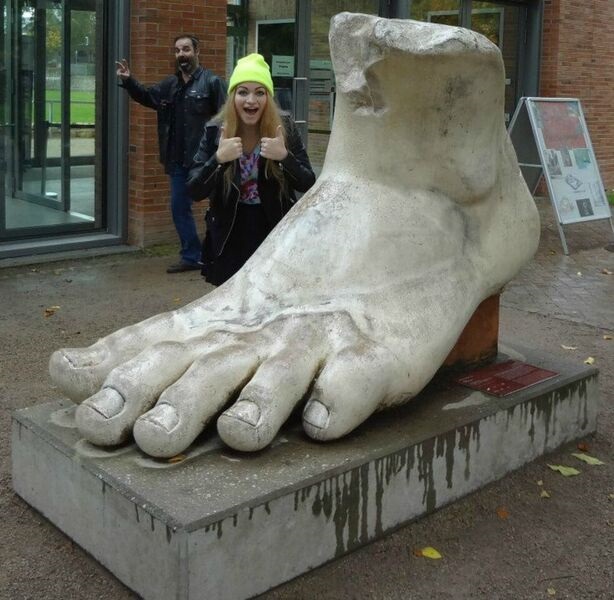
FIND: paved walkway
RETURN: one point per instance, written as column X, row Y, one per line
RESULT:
column 578, row 287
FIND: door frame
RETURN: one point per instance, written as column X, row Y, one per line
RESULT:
column 111, row 175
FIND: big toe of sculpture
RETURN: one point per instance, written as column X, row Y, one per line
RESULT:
column 356, row 298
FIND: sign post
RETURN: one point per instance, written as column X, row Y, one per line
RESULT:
column 551, row 138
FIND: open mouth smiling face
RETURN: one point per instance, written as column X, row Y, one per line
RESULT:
column 187, row 65
column 250, row 101
column 185, row 55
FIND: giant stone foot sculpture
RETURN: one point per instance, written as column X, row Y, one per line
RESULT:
column 356, row 298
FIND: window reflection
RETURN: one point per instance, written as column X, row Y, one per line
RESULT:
column 49, row 184
column 500, row 22
column 445, row 12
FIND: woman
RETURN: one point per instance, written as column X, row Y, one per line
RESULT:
column 250, row 163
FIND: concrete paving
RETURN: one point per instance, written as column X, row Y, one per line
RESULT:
column 506, row 541
column 577, row 287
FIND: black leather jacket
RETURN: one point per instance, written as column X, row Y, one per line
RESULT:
column 203, row 100
column 206, row 180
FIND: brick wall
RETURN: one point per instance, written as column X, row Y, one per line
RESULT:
column 153, row 27
column 578, row 62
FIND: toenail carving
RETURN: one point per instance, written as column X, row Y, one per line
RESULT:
column 99, row 418
column 163, row 416
column 246, row 411
column 108, row 403
column 316, row 414
column 419, row 214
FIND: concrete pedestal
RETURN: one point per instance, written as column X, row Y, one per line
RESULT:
column 220, row 524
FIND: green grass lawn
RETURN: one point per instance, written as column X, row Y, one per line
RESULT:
column 82, row 107
column 611, row 197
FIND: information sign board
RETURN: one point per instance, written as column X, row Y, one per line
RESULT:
column 558, row 145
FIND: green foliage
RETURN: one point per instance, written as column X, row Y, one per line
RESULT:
column 420, row 10
column 611, row 197
column 82, row 106
column 485, row 18
column 82, row 32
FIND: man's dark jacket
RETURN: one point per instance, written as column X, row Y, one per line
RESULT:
column 203, row 100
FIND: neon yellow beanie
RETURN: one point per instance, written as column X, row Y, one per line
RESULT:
column 252, row 68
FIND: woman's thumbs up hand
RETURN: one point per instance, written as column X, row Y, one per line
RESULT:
column 228, row 149
column 274, row 148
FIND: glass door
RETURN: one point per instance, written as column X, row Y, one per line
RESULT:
column 52, row 112
column 5, row 94
column 503, row 23
column 321, row 79
column 268, row 28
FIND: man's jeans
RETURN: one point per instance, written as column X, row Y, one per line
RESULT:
column 181, row 209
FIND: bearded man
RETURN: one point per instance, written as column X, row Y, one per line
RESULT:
column 184, row 102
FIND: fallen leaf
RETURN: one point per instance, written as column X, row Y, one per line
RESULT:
column 579, row 273
column 540, row 482
column 611, row 496
column 567, row 471
column 552, row 252
column 582, row 446
column 176, row 459
column 428, row 552
column 551, row 591
column 51, row 310
column 608, row 337
column 503, row 513
column 569, row 347
column 589, row 460
column 176, row 299
column 544, row 494
column 589, row 361
column 606, row 271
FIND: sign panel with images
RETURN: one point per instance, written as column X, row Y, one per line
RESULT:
column 570, row 167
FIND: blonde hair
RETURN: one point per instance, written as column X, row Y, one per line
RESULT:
column 267, row 127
